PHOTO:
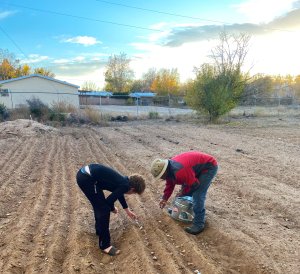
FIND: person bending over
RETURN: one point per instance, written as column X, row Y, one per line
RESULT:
column 92, row 180
column 194, row 171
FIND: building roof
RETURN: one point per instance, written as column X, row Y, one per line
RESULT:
column 40, row 76
column 95, row 93
column 141, row 94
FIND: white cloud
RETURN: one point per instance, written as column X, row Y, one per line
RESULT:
column 83, row 40
column 273, row 53
column 34, row 58
column 95, row 76
column 4, row 14
column 61, row 61
column 79, row 58
column 263, row 11
column 185, row 57
column 277, row 53
column 82, row 58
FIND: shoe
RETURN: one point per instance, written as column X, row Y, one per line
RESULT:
column 194, row 229
column 112, row 252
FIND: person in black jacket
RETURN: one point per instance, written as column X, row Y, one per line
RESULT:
column 92, row 180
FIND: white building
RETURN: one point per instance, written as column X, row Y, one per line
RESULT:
column 14, row 92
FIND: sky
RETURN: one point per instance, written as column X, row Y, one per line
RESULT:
column 74, row 39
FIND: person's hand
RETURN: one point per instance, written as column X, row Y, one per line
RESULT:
column 116, row 210
column 130, row 214
column 162, row 203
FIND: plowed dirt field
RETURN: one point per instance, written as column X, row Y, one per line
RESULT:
column 46, row 224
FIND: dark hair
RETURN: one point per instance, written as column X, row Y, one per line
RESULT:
column 137, row 182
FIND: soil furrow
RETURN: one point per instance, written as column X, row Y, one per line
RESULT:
column 47, row 224
column 17, row 163
column 24, row 236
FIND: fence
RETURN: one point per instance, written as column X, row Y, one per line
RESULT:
column 163, row 105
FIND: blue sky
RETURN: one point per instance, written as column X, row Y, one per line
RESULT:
column 74, row 39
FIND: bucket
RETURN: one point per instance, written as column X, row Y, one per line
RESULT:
column 182, row 209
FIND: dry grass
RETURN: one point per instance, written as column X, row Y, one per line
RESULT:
column 22, row 112
column 63, row 107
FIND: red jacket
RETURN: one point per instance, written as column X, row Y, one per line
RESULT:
column 185, row 169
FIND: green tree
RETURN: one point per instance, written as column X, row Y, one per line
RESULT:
column 137, row 86
column 118, row 74
column 218, row 87
column 215, row 93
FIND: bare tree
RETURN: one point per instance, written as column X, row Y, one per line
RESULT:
column 89, row 86
column 148, row 78
column 231, row 52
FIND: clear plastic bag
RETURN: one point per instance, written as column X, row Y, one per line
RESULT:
column 182, row 209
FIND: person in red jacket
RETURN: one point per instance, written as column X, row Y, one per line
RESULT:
column 194, row 171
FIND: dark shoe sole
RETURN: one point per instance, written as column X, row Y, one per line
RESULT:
column 193, row 232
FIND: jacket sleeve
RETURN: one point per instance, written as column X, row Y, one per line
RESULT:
column 170, row 185
column 118, row 194
column 123, row 202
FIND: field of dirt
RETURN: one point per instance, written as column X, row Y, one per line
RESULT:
column 253, row 223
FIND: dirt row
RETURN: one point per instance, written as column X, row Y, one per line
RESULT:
column 46, row 224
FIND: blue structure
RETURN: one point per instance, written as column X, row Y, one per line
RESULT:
column 142, row 94
column 95, row 93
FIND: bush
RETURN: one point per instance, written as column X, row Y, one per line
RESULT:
column 37, row 108
column 153, row 115
column 60, row 110
column 87, row 116
column 3, row 112
column 130, row 102
column 63, row 107
column 214, row 92
column 57, row 116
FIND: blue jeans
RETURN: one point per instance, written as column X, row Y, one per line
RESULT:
column 199, row 196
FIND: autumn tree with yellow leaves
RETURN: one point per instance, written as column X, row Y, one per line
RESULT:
column 166, row 82
column 10, row 67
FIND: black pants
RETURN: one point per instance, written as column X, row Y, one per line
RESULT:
column 100, row 207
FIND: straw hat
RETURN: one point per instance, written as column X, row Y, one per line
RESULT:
column 158, row 167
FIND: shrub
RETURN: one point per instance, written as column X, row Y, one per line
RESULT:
column 57, row 116
column 60, row 110
column 3, row 112
column 130, row 102
column 153, row 115
column 86, row 116
column 214, row 92
column 63, row 107
column 37, row 108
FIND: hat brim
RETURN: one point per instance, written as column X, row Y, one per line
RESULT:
column 166, row 162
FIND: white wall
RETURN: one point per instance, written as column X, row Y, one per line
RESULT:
column 38, row 87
